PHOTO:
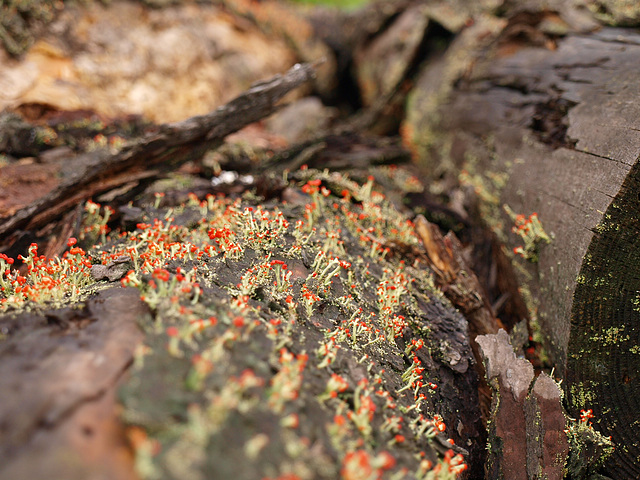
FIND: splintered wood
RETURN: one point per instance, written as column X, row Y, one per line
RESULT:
column 461, row 286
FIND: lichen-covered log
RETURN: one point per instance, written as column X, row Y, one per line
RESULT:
column 532, row 115
column 301, row 338
column 544, row 131
column 304, row 353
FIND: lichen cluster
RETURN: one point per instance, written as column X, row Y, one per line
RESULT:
column 288, row 340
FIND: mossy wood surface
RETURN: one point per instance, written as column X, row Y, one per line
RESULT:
column 285, row 338
column 603, row 368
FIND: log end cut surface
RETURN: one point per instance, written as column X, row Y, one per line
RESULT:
column 603, row 371
column 558, row 131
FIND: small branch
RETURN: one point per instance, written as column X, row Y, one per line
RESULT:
column 169, row 146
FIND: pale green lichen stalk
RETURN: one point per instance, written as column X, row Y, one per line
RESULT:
column 231, row 293
column 257, row 309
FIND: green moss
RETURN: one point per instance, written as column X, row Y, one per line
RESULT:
column 582, row 396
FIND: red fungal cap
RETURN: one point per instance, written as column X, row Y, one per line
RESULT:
column 388, row 461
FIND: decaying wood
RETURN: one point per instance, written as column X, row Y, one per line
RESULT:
column 347, row 150
column 531, row 93
column 456, row 279
column 547, row 444
column 168, row 147
column 166, row 61
column 527, row 427
column 557, row 119
column 272, row 17
column 61, row 368
column 461, row 286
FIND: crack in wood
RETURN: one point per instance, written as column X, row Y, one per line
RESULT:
column 604, row 157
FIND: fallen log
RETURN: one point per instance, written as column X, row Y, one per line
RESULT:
column 543, row 128
column 302, row 338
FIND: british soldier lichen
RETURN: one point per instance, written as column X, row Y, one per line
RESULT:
column 530, row 230
column 231, row 283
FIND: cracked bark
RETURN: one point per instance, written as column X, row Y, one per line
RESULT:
column 59, row 402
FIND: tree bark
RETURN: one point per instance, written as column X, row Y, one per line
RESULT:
column 559, row 119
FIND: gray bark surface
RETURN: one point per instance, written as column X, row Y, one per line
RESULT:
column 564, row 123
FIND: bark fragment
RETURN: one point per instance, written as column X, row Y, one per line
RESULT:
column 462, row 288
column 58, row 402
column 527, row 419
